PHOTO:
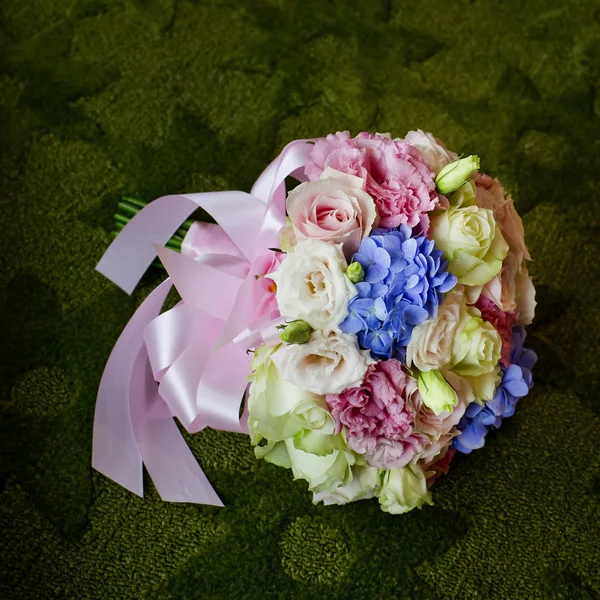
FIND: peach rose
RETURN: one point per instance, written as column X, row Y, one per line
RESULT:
column 512, row 289
column 491, row 195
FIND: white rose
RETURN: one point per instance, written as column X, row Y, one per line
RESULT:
column 432, row 149
column 312, row 285
column 404, row 489
column 323, row 460
column 326, row 364
column 334, row 209
column 471, row 242
column 278, row 409
column 366, row 481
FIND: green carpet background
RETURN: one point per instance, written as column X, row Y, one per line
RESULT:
column 104, row 98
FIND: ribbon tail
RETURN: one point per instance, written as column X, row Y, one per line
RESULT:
column 221, row 390
column 115, row 452
column 171, row 465
column 179, row 385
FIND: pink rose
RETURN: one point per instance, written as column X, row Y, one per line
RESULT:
column 265, row 289
column 396, row 174
column 378, row 417
column 503, row 323
column 333, row 209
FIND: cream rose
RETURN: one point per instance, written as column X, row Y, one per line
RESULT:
column 333, row 209
column 430, row 345
column 469, row 238
column 312, row 285
column 458, row 339
column 433, row 151
column 326, row 364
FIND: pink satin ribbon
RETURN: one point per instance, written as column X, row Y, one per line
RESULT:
column 190, row 362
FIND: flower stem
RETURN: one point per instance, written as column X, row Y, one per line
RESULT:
column 128, row 207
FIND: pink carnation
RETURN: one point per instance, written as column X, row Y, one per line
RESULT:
column 377, row 416
column 503, row 323
column 396, row 174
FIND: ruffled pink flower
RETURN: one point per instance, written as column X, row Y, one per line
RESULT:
column 396, row 175
column 377, row 416
column 503, row 323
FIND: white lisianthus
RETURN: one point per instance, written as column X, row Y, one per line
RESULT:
column 279, row 409
column 326, row 364
column 323, row 460
column 366, row 482
column 471, row 242
column 435, row 392
column 433, row 151
column 404, row 489
column 312, row 285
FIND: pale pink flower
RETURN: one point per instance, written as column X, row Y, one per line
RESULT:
column 378, row 418
column 265, row 289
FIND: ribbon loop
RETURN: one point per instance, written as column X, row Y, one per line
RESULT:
column 190, row 362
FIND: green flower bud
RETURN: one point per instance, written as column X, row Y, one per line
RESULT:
column 456, row 173
column 297, row 332
column 355, row 272
column 437, row 394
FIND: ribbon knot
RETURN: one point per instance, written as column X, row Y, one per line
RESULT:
column 189, row 362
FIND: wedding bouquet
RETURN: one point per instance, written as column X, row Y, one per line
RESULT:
column 377, row 310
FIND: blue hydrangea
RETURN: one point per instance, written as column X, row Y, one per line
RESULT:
column 515, row 383
column 405, row 281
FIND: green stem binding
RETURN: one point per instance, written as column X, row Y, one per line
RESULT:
column 128, row 207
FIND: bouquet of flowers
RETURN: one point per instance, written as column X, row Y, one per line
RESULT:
column 382, row 302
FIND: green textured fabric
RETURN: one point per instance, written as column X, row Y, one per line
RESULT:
column 101, row 98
